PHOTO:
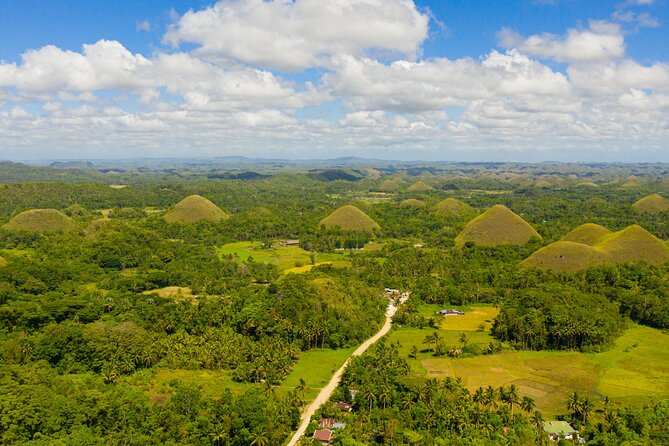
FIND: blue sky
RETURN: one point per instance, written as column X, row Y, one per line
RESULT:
column 465, row 79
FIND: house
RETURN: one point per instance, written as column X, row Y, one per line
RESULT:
column 330, row 423
column 557, row 430
column 290, row 243
column 451, row 312
column 344, row 407
column 323, row 435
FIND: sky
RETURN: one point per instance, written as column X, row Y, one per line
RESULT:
column 459, row 80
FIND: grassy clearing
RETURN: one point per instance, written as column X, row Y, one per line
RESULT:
column 634, row 370
column 473, row 318
column 316, row 367
column 286, row 258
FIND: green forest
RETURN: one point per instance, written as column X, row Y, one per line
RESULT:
column 130, row 315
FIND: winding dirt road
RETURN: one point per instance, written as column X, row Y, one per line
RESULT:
column 326, row 392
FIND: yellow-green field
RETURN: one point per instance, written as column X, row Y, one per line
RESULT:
column 473, row 318
column 284, row 257
column 634, row 370
column 315, row 367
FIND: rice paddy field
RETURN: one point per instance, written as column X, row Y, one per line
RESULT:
column 634, row 370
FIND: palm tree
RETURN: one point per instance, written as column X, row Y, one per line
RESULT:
column 260, row 439
column 586, row 407
column 574, row 402
column 512, row 396
column 527, row 404
column 536, row 418
column 370, row 396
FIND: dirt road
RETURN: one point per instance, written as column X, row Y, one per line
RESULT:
column 326, row 392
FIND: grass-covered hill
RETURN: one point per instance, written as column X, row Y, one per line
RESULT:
column 588, row 234
column 652, row 204
column 195, row 208
column 420, row 186
column 497, row 226
column 349, row 218
column 632, row 244
column 3, row 262
column 389, row 186
column 543, row 184
column 454, row 207
column 412, row 202
column 40, row 220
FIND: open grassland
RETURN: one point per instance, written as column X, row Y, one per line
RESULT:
column 315, row 367
column 286, row 258
column 473, row 318
column 634, row 370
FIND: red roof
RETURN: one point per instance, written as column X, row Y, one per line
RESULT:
column 323, row 435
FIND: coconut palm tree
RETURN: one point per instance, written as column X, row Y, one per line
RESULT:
column 527, row 404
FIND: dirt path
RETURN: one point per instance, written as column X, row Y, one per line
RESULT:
column 326, row 392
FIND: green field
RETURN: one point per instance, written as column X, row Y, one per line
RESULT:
column 316, row 367
column 473, row 318
column 284, row 257
column 634, row 370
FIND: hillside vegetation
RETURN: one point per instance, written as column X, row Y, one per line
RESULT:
column 349, row 218
column 195, row 208
column 652, row 204
column 412, row 202
column 40, row 220
column 420, row 186
column 497, row 226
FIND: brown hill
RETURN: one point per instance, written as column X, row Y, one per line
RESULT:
column 349, row 218
column 195, row 208
column 420, row 186
column 412, row 202
column 497, row 226
column 565, row 256
column 543, row 184
column 451, row 206
column 652, row 204
column 588, row 234
column 40, row 220
column 587, row 184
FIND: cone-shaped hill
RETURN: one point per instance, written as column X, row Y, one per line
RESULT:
column 349, row 218
column 420, row 186
column 412, row 202
column 389, row 186
column 3, row 262
column 565, row 256
column 588, row 234
column 195, row 208
column 451, row 206
column 652, row 204
column 40, row 220
column 97, row 227
column 543, row 184
column 632, row 244
column 497, row 226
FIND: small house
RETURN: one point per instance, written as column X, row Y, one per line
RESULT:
column 557, row 430
column 330, row 423
column 344, row 407
column 323, row 435
column 290, row 243
column 451, row 312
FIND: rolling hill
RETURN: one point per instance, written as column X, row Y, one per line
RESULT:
column 497, row 226
column 195, row 208
column 588, row 234
column 3, row 262
column 349, row 218
column 40, row 220
column 451, row 206
column 565, row 256
column 389, row 186
column 652, row 204
column 420, row 186
column 632, row 244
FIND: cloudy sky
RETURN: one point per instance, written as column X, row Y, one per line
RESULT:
column 525, row 80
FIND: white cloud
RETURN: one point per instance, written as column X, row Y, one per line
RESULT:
column 144, row 25
column 602, row 41
column 296, row 34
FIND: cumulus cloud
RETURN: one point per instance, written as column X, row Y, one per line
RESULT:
column 600, row 42
column 297, row 34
